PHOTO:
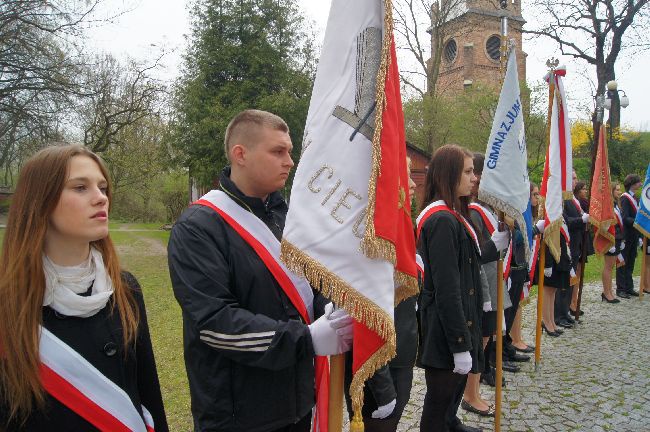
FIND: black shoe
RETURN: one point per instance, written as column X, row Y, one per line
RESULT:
column 633, row 293
column 574, row 312
column 464, row 428
column 605, row 299
column 517, row 358
column 529, row 349
column 622, row 294
column 550, row 333
column 510, row 367
column 490, row 378
column 471, row 408
column 569, row 319
column 564, row 323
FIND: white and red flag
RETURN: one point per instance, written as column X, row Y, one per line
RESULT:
column 349, row 229
column 557, row 181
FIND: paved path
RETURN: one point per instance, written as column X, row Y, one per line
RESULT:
column 593, row 378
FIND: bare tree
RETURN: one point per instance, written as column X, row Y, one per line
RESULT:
column 597, row 32
column 117, row 96
column 423, row 27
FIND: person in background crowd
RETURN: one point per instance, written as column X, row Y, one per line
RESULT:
column 249, row 352
column 610, row 259
column 74, row 340
column 450, row 304
column 629, row 206
column 576, row 220
column 387, row 392
column 515, row 332
column 491, row 243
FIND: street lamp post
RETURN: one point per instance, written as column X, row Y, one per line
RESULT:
column 609, row 102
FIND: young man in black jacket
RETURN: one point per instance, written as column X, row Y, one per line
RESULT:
column 629, row 207
column 249, row 350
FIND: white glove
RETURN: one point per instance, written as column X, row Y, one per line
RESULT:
column 462, row 363
column 503, row 323
column 330, row 336
column 621, row 259
column 385, row 410
column 548, row 272
column 585, row 217
column 623, row 245
column 540, row 225
column 640, row 243
column 487, row 306
column 572, row 273
column 501, row 239
column 612, row 249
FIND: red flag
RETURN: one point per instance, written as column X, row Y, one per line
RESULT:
column 391, row 236
column 601, row 205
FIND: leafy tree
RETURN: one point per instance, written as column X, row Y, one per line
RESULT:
column 242, row 54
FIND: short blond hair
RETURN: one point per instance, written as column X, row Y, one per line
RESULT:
column 244, row 128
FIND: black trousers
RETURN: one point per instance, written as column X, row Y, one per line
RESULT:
column 517, row 278
column 624, row 282
column 444, row 394
column 562, row 303
column 303, row 425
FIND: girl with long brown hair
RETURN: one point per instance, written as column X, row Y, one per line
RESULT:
column 608, row 293
column 451, row 301
column 75, row 351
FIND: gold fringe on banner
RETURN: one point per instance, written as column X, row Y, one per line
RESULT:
column 567, row 195
column 552, row 238
column 339, row 291
column 379, row 359
column 372, row 246
column 603, row 227
column 407, row 286
column 639, row 227
column 358, row 306
column 500, row 204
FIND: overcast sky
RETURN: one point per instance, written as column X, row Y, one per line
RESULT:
column 150, row 25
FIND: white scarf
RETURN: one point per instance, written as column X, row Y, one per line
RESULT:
column 63, row 286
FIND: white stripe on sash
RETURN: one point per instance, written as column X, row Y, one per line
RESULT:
column 78, row 372
column 263, row 234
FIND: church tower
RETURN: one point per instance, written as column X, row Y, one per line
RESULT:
column 470, row 31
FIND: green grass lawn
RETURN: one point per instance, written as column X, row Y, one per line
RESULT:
column 142, row 252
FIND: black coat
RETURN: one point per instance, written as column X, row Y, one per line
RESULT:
column 451, row 303
column 248, row 355
column 99, row 340
column 573, row 219
column 628, row 214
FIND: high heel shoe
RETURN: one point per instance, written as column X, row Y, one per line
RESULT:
column 614, row 300
column 550, row 333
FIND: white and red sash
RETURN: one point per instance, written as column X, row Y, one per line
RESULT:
column 632, row 200
column 440, row 205
column 491, row 223
column 267, row 247
column 419, row 264
column 77, row 384
column 576, row 203
column 619, row 218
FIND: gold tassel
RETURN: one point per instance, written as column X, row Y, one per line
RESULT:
column 356, row 425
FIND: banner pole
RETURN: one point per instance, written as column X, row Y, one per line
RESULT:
column 642, row 286
column 499, row 337
column 337, row 372
column 540, row 301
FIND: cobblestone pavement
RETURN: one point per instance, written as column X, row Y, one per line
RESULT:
column 595, row 377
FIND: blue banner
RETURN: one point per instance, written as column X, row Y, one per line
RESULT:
column 642, row 221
